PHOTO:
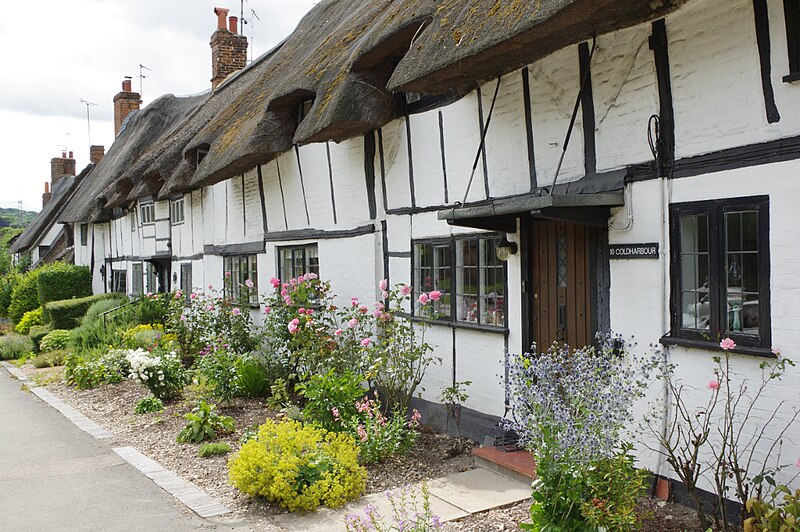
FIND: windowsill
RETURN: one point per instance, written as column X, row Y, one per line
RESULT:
column 176, row 223
column 459, row 325
column 763, row 352
column 791, row 78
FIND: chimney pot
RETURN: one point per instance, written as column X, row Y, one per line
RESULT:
column 70, row 156
column 222, row 15
column 46, row 187
column 126, row 85
column 63, row 154
column 233, row 25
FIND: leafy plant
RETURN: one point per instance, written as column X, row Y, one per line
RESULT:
column 30, row 319
column 407, row 514
column 252, row 378
column 299, row 467
column 328, row 393
column 89, row 369
column 160, row 371
column 208, row 450
column 94, row 331
column 13, row 346
column 204, row 424
column 148, row 405
column 25, row 296
column 7, row 284
column 453, row 398
column 773, row 515
column 571, row 407
column 218, row 366
column 50, row 359
column 58, row 281
column 378, row 436
column 55, row 340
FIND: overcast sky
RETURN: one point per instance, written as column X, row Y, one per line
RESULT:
column 57, row 52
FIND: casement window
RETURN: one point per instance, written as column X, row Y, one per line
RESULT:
column 186, row 279
column 84, row 234
column 791, row 11
column 119, row 281
column 470, row 277
column 133, row 221
column 720, row 271
column 137, row 279
column 176, row 211
column 238, row 271
column 148, row 215
column 297, row 260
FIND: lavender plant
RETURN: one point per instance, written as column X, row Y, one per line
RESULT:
column 571, row 407
column 407, row 516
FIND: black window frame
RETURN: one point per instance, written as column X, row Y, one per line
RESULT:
column 281, row 250
column 148, row 208
column 137, row 279
column 716, row 210
column 119, row 281
column 84, row 230
column 232, row 284
column 186, row 279
column 452, row 320
column 791, row 12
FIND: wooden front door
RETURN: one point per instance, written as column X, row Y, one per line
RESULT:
column 561, row 299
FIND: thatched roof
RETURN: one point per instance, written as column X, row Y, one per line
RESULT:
column 349, row 57
column 61, row 195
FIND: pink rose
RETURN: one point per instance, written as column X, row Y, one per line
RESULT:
column 236, row 312
column 337, row 332
column 210, row 307
column 713, row 385
column 435, row 295
column 309, row 312
column 284, row 292
column 193, row 296
column 313, row 275
column 423, row 299
column 776, row 351
column 384, row 295
column 150, row 294
column 405, row 290
column 335, row 412
column 727, row 344
column 353, row 301
column 352, row 323
column 383, row 285
column 287, row 300
column 365, row 342
column 377, row 312
column 177, row 295
column 267, row 310
column 363, row 309
column 228, row 275
column 248, row 283
column 302, row 310
column 211, row 287
column 293, row 325
column 275, row 282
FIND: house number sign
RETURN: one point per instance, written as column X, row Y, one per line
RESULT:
column 634, row 251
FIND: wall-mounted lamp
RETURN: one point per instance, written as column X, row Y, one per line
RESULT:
column 174, row 277
column 505, row 249
column 103, row 270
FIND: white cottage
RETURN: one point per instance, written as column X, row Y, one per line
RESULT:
column 555, row 168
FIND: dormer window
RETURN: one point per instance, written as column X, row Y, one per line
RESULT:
column 791, row 10
column 304, row 109
column 201, row 154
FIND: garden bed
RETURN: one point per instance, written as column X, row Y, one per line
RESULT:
column 154, row 435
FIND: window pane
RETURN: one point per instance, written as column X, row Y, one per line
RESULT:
column 492, row 288
column 750, row 231
column 733, row 228
column 695, row 303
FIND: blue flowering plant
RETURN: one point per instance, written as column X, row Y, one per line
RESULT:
column 572, row 407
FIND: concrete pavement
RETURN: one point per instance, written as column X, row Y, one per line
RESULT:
column 54, row 476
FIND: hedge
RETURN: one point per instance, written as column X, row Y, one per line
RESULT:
column 7, row 284
column 36, row 334
column 67, row 314
column 25, row 296
column 59, row 281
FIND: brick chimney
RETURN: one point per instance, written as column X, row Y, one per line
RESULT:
column 61, row 167
column 96, row 154
column 125, row 103
column 228, row 48
column 46, row 196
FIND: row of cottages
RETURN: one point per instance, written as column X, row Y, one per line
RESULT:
column 555, row 168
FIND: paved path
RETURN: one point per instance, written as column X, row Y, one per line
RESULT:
column 54, row 476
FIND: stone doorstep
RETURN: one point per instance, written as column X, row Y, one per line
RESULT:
column 518, row 465
column 453, row 497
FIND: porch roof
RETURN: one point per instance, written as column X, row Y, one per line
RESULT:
column 501, row 214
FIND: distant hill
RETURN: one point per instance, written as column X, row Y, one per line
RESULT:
column 16, row 218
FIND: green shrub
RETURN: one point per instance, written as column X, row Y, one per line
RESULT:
column 49, row 359
column 93, row 332
column 208, row 450
column 59, row 281
column 160, row 371
column 14, row 346
column 330, row 391
column 299, row 466
column 36, row 334
column 252, row 378
column 25, row 296
column 772, row 514
column 204, row 423
column 148, row 405
column 144, row 336
column 55, row 340
column 152, row 310
column 90, row 369
column 219, row 369
column 7, row 284
column 29, row 319
column 67, row 313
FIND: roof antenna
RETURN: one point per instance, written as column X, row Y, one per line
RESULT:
column 253, row 36
column 88, row 122
column 141, row 78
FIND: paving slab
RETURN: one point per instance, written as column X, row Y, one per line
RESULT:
column 479, row 490
column 333, row 520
